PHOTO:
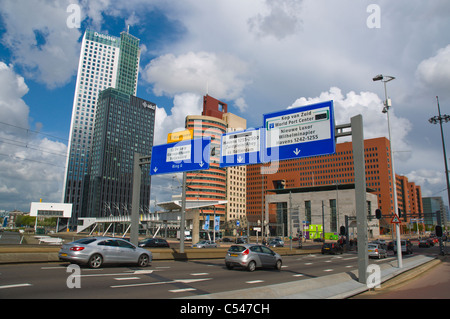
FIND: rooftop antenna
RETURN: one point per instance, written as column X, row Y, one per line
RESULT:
column 128, row 29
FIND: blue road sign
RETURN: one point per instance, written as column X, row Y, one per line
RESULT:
column 241, row 147
column 299, row 132
column 184, row 156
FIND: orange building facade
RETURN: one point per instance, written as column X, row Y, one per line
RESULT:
column 337, row 169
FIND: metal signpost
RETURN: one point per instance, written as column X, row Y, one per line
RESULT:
column 183, row 156
column 300, row 132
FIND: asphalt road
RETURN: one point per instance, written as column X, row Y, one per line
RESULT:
column 163, row 279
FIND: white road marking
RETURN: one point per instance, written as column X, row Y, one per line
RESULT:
column 182, row 290
column 328, row 269
column 254, row 281
column 200, row 274
column 15, row 286
column 298, row 275
column 127, row 278
column 184, row 281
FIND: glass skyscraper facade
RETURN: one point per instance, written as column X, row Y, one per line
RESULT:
column 100, row 67
column 124, row 125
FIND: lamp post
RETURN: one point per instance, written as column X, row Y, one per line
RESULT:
column 387, row 106
column 434, row 120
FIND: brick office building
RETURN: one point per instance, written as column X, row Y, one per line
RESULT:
column 337, row 169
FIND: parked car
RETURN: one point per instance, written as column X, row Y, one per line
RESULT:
column 96, row 251
column 376, row 250
column 331, row 248
column 276, row 243
column 406, row 247
column 380, row 242
column 251, row 256
column 153, row 242
column 205, row 244
column 426, row 243
column 241, row 240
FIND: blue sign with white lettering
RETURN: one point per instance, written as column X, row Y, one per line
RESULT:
column 241, row 148
column 184, row 156
column 299, row 132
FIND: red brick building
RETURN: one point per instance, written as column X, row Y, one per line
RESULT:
column 337, row 169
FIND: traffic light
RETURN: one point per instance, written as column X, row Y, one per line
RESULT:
column 378, row 213
column 438, row 231
column 342, row 230
column 399, row 213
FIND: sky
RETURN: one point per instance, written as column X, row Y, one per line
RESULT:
column 257, row 56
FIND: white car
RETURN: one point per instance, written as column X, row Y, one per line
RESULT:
column 205, row 244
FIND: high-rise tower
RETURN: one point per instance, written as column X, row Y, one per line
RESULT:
column 105, row 61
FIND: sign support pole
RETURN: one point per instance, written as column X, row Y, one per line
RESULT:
column 360, row 196
column 183, row 214
column 136, row 195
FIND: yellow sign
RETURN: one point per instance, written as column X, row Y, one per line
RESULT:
column 180, row 136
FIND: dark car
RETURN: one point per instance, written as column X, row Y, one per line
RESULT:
column 331, row 248
column 153, row 242
column 426, row 243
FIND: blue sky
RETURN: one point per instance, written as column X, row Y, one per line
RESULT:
column 258, row 56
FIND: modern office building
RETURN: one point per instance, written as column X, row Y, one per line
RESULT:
column 336, row 169
column 105, row 61
column 434, row 209
column 217, row 183
column 124, row 125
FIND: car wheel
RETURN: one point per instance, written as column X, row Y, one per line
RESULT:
column 229, row 266
column 143, row 260
column 278, row 265
column 95, row 261
column 251, row 266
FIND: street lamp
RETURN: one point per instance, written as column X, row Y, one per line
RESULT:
column 387, row 106
column 434, row 120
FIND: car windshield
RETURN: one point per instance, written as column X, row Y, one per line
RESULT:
column 237, row 249
column 202, row 242
column 372, row 246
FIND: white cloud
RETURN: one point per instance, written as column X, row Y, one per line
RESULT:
column 221, row 75
column 435, row 71
column 31, row 167
column 369, row 105
column 12, row 88
column 282, row 19
column 40, row 40
column 183, row 104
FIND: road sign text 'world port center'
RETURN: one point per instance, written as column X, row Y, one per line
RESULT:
column 300, row 132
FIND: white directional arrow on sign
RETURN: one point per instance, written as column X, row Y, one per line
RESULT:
column 240, row 159
column 297, row 151
column 155, row 169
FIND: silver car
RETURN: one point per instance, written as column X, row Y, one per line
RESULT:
column 96, row 251
column 376, row 250
column 252, row 256
column 205, row 244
